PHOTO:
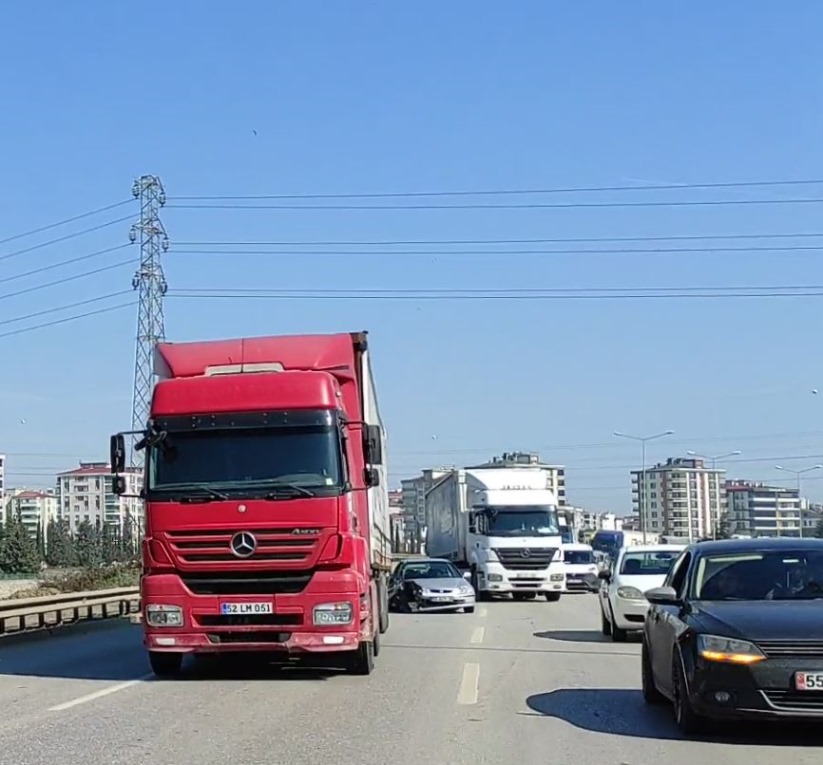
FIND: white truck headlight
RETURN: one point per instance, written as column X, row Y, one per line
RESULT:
column 332, row 614
column 161, row 615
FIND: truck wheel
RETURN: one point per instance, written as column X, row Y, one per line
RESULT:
column 552, row 597
column 383, row 600
column 468, row 610
column 361, row 661
column 165, row 664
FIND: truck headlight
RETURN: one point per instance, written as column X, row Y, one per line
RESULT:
column 495, row 577
column 332, row 614
column 160, row 615
column 557, row 577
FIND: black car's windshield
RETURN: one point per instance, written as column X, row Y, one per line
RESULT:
column 439, row 569
column 648, row 563
column 520, row 521
column 757, row 575
column 578, row 557
column 234, row 460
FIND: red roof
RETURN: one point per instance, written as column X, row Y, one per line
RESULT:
column 92, row 468
column 30, row 494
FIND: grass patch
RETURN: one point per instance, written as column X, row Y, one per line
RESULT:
column 82, row 580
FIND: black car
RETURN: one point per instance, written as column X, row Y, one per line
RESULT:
column 736, row 632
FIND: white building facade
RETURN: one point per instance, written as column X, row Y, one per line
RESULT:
column 680, row 497
column 760, row 510
column 36, row 509
column 85, row 494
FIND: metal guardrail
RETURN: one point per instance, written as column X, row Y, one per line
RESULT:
column 50, row 611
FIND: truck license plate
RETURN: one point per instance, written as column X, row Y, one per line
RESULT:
column 808, row 681
column 246, row 608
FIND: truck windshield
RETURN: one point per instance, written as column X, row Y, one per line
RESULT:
column 228, row 459
column 521, row 521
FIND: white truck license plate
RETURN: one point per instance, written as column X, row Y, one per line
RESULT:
column 808, row 681
column 246, row 608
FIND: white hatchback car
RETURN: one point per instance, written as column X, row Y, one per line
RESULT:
column 636, row 570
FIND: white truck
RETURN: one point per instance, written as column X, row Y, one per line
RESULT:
column 502, row 525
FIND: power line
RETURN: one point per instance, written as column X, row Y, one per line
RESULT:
column 73, row 235
column 57, row 309
column 501, row 192
column 507, row 253
column 512, row 206
column 487, row 295
column 60, row 264
column 67, row 319
column 73, row 277
column 541, row 240
column 65, row 221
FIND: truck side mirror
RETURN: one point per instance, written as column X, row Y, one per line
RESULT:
column 118, row 485
column 117, row 453
column 373, row 445
column 371, row 478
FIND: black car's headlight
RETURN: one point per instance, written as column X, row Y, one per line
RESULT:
column 728, row 650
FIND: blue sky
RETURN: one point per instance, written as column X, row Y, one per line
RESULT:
column 368, row 97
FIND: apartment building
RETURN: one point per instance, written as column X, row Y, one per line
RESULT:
column 85, row 494
column 760, row 510
column 413, row 497
column 680, row 497
column 35, row 508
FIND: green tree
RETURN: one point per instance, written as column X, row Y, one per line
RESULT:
column 59, row 545
column 110, row 544
column 19, row 552
column 88, row 545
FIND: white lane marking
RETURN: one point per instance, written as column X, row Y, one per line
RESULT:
column 99, row 694
column 469, row 685
column 478, row 635
column 483, row 611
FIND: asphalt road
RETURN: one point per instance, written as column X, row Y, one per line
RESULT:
column 531, row 683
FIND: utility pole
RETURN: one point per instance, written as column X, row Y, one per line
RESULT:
column 641, row 490
column 797, row 474
column 150, row 282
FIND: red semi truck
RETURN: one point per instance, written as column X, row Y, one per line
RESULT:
column 266, row 501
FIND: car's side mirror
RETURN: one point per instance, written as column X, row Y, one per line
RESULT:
column 663, row 596
column 467, row 575
column 604, row 575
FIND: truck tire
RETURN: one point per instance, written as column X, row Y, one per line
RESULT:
column 165, row 664
column 383, row 601
column 361, row 661
column 552, row 597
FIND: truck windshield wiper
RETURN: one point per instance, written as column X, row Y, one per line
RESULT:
column 197, row 493
column 281, row 490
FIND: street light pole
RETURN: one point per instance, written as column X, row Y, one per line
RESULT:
column 714, row 517
column 797, row 474
column 641, row 491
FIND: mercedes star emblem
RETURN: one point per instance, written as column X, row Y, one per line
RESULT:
column 243, row 544
column 525, row 554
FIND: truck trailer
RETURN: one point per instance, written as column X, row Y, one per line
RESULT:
column 266, row 501
column 502, row 525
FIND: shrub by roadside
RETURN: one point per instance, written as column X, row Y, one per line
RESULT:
column 104, row 577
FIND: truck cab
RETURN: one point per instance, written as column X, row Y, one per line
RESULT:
column 514, row 541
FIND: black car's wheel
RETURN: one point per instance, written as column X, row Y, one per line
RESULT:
column 605, row 624
column 687, row 720
column 650, row 693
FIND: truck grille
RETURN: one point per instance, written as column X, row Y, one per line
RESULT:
column 525, row 558
column 246, row 583
column 292, row 545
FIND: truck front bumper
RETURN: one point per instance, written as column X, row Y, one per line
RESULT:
column 494, row 578
column 286, row 623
